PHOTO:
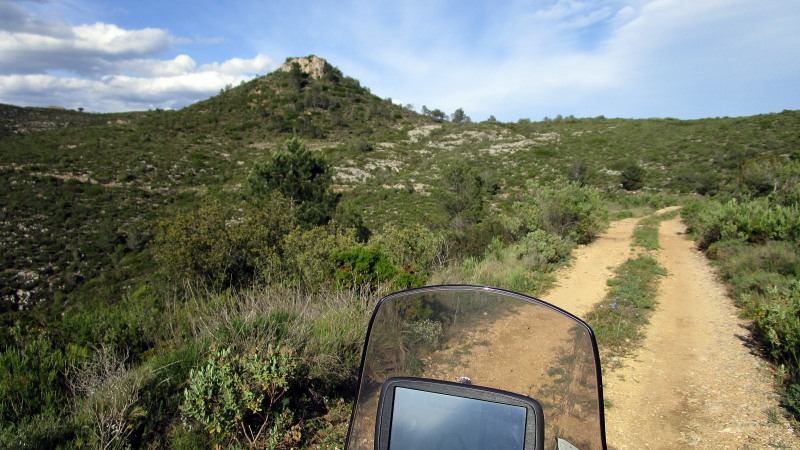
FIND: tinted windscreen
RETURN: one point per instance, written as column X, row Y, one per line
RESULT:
column 444, row 422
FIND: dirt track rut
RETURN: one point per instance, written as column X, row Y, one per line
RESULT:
column 694, row 383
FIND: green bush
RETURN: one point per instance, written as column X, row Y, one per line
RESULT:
column 778, row 323
column 223, row 246
column 415, row 248
column 548, row 247
column 301, row 176
column 308, row 254
column 463, row 194
column 632, row 177
column 568, row 210
column 367, row 266
column 32, row 377
column 241, row 397
column 754, row 221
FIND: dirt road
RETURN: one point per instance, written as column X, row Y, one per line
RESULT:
column 694, row 382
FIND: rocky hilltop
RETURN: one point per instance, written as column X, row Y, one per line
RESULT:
column 313, row 65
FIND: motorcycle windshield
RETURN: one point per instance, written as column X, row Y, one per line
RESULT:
column 495, row 338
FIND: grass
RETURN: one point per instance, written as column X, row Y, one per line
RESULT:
column 645, row 235
column 619, row 319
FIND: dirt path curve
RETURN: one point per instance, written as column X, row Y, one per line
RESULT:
column 694, row 383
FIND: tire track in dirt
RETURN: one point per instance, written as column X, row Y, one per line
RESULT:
column 695, row 381
column 583, row 283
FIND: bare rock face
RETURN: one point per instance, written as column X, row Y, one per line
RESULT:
column 314, row 66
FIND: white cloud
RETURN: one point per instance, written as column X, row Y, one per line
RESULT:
column 86, row 49
column 159, row 84
column 111, row 40
column 104, row 67
column 260, row 64
column 633, row 58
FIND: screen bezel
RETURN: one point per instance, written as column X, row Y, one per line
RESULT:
column 534, row 422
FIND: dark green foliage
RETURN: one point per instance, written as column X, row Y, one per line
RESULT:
column 162, row 393
column 472, row 241
column 33, row 377
column 365, row 266
column 754, row 221
column 767, row 175
column 566, row 210
column 241, row 397
column 349, row 217
column 459, row 116
column 778, row 323
column 414, row 248
column 361, row 266
column 579, row 173
column 221, row 245
column 300, row 176
column 308, row 254
column 463, row 194
column 632, row 177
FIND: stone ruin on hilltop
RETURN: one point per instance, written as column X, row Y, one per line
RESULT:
column 314, row 66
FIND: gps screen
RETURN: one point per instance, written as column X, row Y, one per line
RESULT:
column 422, row 419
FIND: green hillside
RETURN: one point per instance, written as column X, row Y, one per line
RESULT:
column 141, row 250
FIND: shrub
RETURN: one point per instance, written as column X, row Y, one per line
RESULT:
column 106, row 396
column 239, row 397
column 32, row 377
column 463, row 194
column 301, row 176
column 547, row 247
column 778, row 323
column 367, row 266
column 754, row 221
column 570, row 211
column 415, row 248
column 223, row 246
column 308, row 254
column 632, row 177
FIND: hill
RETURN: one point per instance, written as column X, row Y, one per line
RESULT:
column 79, row 189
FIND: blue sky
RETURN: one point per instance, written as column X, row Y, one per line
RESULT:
column 511, row 59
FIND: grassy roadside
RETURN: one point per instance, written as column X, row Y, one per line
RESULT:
column 618, row 320
column 755, row 245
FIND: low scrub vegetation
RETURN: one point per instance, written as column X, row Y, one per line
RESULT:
column 756, row 243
